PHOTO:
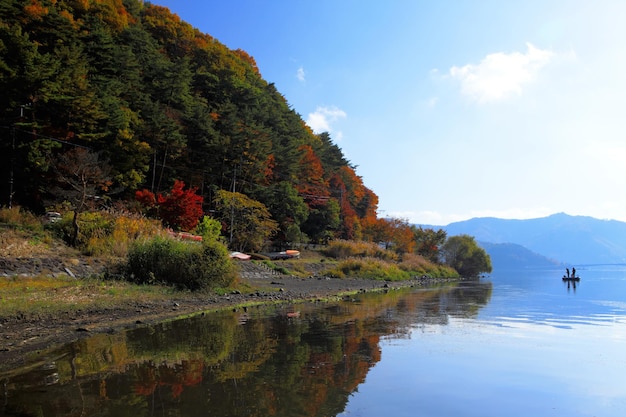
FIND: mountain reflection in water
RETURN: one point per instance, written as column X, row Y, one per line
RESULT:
column 258, row 361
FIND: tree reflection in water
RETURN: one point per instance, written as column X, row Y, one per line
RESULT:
column 258, row 362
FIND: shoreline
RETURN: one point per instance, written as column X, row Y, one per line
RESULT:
column 23, row 338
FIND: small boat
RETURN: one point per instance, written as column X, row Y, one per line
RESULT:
column 184, row 236
column 574, row 279
column 240, row 256
column 288, row 254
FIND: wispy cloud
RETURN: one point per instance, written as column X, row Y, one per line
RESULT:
column 500, row 75
column 322, row 119
column 301, row 75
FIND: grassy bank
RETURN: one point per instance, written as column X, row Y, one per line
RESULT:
column 107, row 241
column 42, row 295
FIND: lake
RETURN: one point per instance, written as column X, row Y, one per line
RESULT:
column 517, row 343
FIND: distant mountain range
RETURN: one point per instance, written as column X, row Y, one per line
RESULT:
column 553, row 240
column 511, row 256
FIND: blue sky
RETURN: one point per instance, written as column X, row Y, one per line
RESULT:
column 451, row 109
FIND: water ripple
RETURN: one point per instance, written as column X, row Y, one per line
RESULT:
column 561, row 322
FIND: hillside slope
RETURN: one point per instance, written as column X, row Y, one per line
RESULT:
column 156, row 100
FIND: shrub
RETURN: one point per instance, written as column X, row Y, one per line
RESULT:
column 209, row 228
column 104, row 233
column 91, row 225
column 186, row 265
column 218, row 269
column 126, row 230
column 342, row 249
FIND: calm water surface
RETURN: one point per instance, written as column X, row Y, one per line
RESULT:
column 538, row 348
column 514, row 344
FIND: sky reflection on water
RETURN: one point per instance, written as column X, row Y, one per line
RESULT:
column 534, row 350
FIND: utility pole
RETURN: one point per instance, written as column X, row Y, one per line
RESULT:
column 12, row 165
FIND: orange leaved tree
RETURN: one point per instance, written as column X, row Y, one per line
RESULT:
column 180, row 209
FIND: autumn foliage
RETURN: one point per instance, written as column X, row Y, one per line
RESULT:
column 180, row 209
column 133, row 82
column 311, row 185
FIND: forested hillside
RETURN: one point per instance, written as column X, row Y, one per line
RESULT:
column 158, row 101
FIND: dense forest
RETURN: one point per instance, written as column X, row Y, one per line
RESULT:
column 155, row 105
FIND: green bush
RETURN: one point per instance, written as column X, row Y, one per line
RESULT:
column 209, row 228
column 91, row 225
column 186, row 265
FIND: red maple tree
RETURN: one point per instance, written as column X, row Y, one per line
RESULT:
column 179, row 209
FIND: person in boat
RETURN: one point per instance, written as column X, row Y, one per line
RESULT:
column 573, row 272
column 567, row 270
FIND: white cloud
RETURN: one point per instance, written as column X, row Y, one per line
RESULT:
column 500, row 75
column 300, row 74
column 323, row 117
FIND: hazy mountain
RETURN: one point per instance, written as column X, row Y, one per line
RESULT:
column 574, row 240
column 514, row 257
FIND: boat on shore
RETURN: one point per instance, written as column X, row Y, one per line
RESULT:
column 288, row 254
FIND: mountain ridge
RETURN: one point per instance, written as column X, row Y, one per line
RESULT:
column 561, row 237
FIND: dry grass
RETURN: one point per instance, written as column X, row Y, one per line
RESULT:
column 20, row 244
column 22, row 234
column 343, row 249
column 413, row 262
column 18, row 217
column 373, row 267
column 311, row 262
column 417, row 265
column 123, row 231
column 31, row 296
column 369, row 268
